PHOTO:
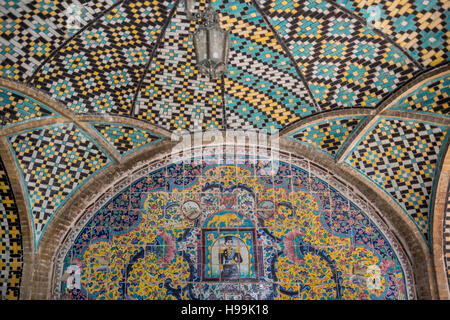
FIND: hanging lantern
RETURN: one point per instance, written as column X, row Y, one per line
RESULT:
column 210, row 41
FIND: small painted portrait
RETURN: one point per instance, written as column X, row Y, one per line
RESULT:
column 229, row 259
column 228, row 256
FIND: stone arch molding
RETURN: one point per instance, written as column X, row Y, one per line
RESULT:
column 441, row 228
column 311, row 179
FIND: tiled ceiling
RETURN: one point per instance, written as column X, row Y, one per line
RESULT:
column 288, row 59
column 293, row 65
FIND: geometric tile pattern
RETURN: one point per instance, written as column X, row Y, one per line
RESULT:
column 174, row 95
column 54, row 161
column 401, row 157
column 432, row 98
column 30, row 30
column 447, row 236
column 16, row 108
column 11, row 252
column 98, row 71
column 344, row 62
column 262, row 87
column 125, row 139
column 420, row 27
column 328, row 135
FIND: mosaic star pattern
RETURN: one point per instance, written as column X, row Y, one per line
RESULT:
column 99, row 70
column 17, row 108
column 11, row 251
column 30, row 30
column 54, row 161
column 327, row 135
column 401, row 157
column 421, row 27
column 344, row 62
column 194, row 230
column 125, row 139
column 432, row 97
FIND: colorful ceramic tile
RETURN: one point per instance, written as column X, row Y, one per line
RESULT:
column 262, row 86
column 200, row 242
column 431, row 97
column 420, row 27
column 328, row 135
column 17, row 108
column 11, row 251
column 31, row 30
column 174, row 95
column 401, row 157
column 344, row 62
column 124, row 138
column 103, row 64
column 53, row 162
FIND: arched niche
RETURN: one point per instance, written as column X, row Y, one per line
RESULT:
column 296, row 233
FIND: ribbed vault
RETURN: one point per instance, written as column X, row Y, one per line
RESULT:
column 84, row 98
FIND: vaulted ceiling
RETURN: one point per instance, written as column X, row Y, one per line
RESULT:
column 86, row 85
column 288, row 59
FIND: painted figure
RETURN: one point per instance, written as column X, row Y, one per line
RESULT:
column 226, row 220
column 73, row 279
column 229, row 259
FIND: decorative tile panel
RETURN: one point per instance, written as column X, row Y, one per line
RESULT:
column 124, row 138
column 328, row 135
column 17, row 108
column 11, row 251
column 193, row 229
column 262, row 87
column 54, row 161
column 401, row 157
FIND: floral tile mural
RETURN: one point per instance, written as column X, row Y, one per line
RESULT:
column 211, row 228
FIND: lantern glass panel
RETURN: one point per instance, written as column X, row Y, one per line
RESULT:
column 200, row 45
column 226, row 47
column 215, row 45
